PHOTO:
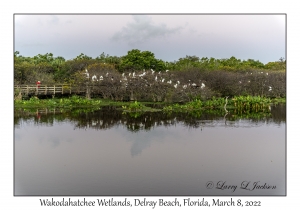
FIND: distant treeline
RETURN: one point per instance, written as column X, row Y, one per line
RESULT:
column 50, row 70
column 140, row 76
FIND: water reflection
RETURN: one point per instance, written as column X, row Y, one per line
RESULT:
column 106, row 152
column 109, row 117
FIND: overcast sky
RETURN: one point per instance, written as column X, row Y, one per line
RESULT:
column 169, row 37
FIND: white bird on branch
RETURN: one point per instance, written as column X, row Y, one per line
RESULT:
column 94, row 78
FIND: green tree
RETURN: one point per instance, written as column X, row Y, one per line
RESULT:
column 137, row 60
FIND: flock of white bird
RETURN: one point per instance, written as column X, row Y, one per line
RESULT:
column 270, row 87
column 158, row 78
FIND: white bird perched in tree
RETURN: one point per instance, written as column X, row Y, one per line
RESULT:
column 162, row 80
column 175, row 86
column 129, row 74
column 170, row 82
column 185, row 86
column 143, row 74
column 87, row 73
column 167, row 70
column 106, row 74
column 123, row 74
column 178, row 82
column 270, row 88
column 101, row 78
column 94, row 77
column 194, row 85
column 152, row 71
column 156, row 78
column 202, row 85
column 267, row 73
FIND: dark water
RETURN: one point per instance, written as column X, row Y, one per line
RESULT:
column 110, row 153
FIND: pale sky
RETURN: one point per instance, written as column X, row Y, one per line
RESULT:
column 169, row 37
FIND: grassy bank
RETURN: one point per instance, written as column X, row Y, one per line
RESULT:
column 249, row 103
column 72, row 102
column 239, row 103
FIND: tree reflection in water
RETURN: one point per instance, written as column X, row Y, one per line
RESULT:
column 110, row 116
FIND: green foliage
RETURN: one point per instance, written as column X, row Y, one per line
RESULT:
column 251, row 103
column 138, row 60
column 135, row 107
column 72, row 102
column 214, row 103
column 190, row 106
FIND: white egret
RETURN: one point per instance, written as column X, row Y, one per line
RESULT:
column 94, row 77
column 202, row 85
